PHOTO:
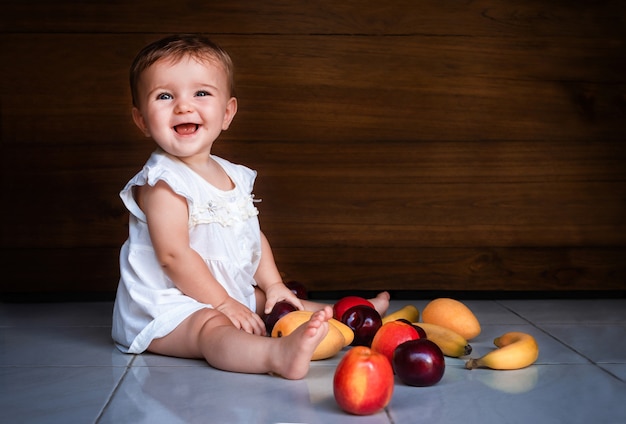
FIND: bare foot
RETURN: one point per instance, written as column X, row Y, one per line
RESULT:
column 292, row 357
column 381, row 302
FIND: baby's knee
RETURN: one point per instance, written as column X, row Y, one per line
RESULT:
column 207, row 319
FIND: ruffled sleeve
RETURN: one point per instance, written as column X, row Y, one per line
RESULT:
column 155, row 170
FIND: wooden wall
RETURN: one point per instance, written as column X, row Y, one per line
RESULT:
column 403, row 145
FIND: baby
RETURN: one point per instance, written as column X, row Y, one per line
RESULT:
column 197, row 273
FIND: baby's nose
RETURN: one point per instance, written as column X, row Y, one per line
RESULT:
column 183, row 106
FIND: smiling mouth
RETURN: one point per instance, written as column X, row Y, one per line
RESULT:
column 185, row 129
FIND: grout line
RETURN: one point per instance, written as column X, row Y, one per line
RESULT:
column 499, row 302
column 544, row 331
column 115, row 389
column 609, row 372
column 555, row 338
column 388, row 413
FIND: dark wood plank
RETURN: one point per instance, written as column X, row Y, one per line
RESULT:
column 366, row 17
column 95, row 270
column 92, row 270
column 333, row 88
column 447, row 195
column 425, row 161
column 419, row 161
column 517, row 269
column 400, row 145
column 409, row 236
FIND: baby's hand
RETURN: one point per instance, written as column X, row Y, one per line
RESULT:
column 277, row 292
column 242, row 317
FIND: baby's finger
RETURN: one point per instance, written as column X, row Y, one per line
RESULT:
column 259, row 325
column 252, row 324
column 269, row 305
column 298, row 303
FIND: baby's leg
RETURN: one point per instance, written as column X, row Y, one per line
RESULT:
column 210, row 335
column 380, row 302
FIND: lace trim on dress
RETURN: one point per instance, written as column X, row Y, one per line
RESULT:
column 225, row 211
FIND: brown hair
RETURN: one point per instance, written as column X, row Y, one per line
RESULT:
column 176, row 47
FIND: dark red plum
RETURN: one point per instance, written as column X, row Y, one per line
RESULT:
column 298, row 289
column 279, row 310
column 364, row 321
column 419, row 363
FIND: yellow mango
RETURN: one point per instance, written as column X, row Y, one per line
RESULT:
column 332, row 343
column 452, row 314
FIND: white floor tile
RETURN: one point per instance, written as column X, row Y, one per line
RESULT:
column 551, row 351
column 58, row 364
column 601, row 343
column 59, row 346
column 191, row 394
column 618, row 370
column 560, row 311
column 55, row 394
column 556, row 394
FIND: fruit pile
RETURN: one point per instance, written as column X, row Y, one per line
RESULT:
column 399, row 344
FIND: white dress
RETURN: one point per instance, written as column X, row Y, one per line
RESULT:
column 223, row 229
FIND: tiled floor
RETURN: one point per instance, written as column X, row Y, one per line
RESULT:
column 58, row 365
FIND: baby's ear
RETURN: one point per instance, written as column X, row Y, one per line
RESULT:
column 231, row 111
column 140, row 122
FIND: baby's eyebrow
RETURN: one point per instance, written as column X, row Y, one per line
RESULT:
column 158, row 89
column 208, row 86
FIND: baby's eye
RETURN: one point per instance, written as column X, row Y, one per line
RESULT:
column 202, row 93
column 164, row 96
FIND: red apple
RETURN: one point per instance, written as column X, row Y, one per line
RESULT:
column 419, row 363
column 346, row 303
column 365, row 322
column 363, row 382
column 391, row 335
column 298, row 289
column 279, row 310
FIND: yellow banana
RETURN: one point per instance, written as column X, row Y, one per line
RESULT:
column 515, row 350
column 408, row 312
column 336, row 339
column 451, row 343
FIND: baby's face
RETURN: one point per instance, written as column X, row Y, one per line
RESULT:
column 184, row 105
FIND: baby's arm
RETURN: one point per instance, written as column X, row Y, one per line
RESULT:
column 269, row 280
column 167, row 218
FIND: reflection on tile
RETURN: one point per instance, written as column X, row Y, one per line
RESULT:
column 563, row 393
column 55, row 394
column 152, row 360
column 187, row 394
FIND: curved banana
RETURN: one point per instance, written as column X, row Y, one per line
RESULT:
column 451, row 343
column 408, row 312
column 515, row 350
